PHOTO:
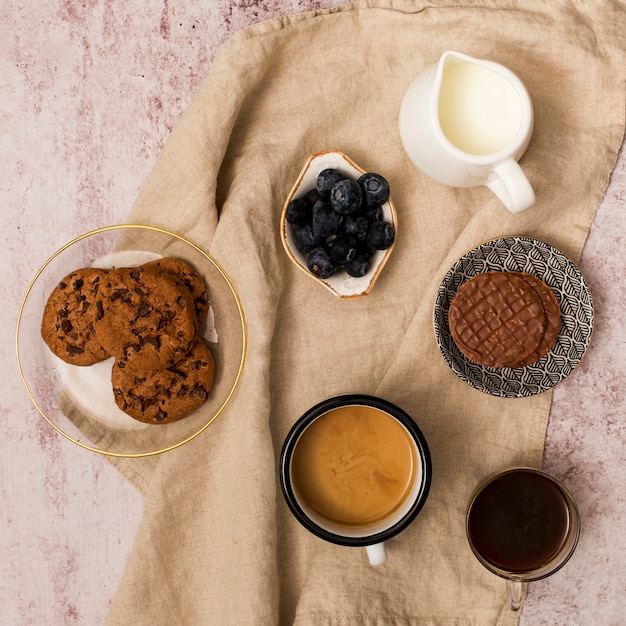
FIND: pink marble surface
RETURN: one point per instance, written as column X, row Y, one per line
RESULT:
column 90, row 91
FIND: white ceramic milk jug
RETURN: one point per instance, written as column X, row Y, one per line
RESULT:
column 466, row 122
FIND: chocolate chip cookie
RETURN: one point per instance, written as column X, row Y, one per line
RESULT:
column 67, row 322
column 145, row 317
column 185, row 273
column 165, row 395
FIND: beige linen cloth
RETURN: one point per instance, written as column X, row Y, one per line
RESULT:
column 217, row 544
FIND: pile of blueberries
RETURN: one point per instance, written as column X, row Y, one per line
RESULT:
column 339, row 223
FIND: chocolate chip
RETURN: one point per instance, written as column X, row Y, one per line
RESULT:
column 160, row 415
column 66, row 326
column 143, row 310
column 135, row 347
column 134, row 401
column 74, row 350
column 119, row 294
column 165, row 321
column 198, row 392
column 99, row 312
column 153, row 341
column 78, row 284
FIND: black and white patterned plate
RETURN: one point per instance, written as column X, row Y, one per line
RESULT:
column 520, row 254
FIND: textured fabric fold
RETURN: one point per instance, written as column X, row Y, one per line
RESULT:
column 217, row 544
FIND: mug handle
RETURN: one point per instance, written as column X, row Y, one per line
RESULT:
column 515, row 592
column 376, row 553
column 509, row 183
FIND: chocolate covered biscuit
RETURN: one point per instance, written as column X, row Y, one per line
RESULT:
column 497, row 319
column 553, row 318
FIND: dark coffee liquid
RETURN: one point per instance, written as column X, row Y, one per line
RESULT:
column 519, row 521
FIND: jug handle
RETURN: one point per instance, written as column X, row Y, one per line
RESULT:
column 509, row 183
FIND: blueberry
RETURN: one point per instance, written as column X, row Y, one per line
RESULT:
column 367, row 248
column 304, row 239
column 326, row 221
column 375, row 188
column 298, row 212
column 325, row 181
column 342, row 249
column 320, row 263
column 346, row 196
column 381, row 235
column 312, row 196
column 356, row 225
column 358, row 266
column 373, row 213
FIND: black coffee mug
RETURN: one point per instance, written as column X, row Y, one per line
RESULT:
column 355, row 470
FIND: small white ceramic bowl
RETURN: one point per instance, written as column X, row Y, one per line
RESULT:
column 340, row 284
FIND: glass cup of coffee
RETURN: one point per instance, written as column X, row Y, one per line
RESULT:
column 355, row 470
column 523, row 525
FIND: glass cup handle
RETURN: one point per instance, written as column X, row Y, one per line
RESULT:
column 376, row 553
column 515, row 592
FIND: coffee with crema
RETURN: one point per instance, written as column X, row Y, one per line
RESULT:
column 354, row 465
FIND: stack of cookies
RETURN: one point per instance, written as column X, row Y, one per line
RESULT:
column 150, row 319
column 504, row 319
